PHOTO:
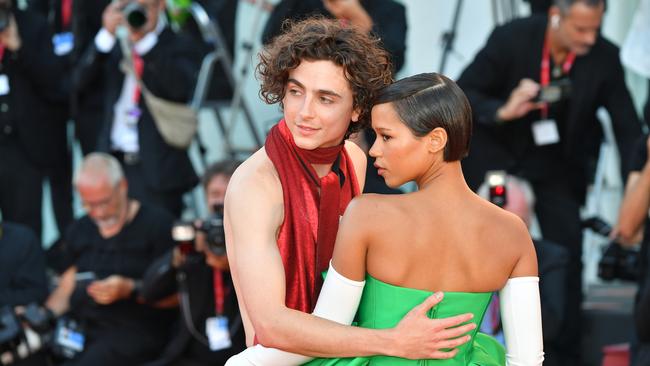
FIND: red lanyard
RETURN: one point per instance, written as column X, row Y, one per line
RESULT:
column 138, row 65
column 219, row 291
column 2, row 52
column 66, row 13
column 545, row 75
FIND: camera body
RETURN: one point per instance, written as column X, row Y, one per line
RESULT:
column 616, row 262
column 34, row 330
column 184, row 234
column 496, row 180
column 555, row 91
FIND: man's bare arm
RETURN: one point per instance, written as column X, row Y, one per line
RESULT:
column 59, row 299
column 636, row 201
column 253, row 216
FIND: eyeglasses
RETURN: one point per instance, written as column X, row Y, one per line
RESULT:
column 100, row 204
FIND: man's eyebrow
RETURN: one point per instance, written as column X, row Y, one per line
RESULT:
column 291, row 80
column 320, row 91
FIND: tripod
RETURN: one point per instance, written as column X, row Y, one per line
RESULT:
column 502, row 11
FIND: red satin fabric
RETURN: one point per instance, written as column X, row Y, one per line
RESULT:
column 307, row 235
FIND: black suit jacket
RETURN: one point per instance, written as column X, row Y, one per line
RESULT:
column 170, row 69
column 36, row 85
column 513, row 52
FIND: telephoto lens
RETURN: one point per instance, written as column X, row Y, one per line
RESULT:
column 136, row 15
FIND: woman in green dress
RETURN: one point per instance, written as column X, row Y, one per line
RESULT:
column 396, row 250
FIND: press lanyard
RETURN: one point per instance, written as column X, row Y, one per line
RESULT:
column 219, row 291
column 545, row 76
column 66, row 13
column 138, row 65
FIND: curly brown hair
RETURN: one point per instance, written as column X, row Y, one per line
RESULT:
column 366, row 65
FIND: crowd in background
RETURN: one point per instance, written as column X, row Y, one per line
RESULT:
column 118, row 268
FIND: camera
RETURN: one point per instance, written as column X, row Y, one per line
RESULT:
column 135, row 15
column 184, row 233
column 5, row 16
column 36, row 329
column 496, row 180
column 554, row 92
column 616, row 262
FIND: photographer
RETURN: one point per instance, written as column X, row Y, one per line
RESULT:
column 107, row 253
column 534, row 89
column 195, row 272
column 633, row 219
column 30, row 81
column 22, row 281
column 167, row 64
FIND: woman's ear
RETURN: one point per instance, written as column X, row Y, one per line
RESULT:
column 437, row 140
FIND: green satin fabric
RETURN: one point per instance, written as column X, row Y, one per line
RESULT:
column 384, row 305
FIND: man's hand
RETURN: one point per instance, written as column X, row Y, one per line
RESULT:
column 111, row 289
column 350, row 10
column 520, row 101
column 419, row 337
column 10, row 37
column 112, row 16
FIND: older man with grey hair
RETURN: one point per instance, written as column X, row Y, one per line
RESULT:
column 107, row 252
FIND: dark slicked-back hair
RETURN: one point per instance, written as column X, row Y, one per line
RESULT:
column 365, row 64
column 424, row 102
column 564, row 5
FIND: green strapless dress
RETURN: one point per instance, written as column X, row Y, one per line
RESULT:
column 384, row 305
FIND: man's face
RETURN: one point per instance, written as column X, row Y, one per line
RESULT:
column 215, row 191
column 318, row 104
column 578, row 28
column 104, row 203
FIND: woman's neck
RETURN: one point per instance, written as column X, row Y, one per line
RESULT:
column 446, row 174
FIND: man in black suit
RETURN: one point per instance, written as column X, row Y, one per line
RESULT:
column 168, row 64
column 30, row 81
column 550, row 144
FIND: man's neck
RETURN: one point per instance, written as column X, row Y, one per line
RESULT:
column 557, row 50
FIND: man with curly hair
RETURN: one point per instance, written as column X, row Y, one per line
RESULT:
column 283, row 204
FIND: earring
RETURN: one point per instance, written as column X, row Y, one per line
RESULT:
column 555, row 21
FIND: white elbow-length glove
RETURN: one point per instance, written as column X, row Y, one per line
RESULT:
column 522, row 321
column 338, row 301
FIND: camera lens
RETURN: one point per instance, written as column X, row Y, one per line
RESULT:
column 136, row 15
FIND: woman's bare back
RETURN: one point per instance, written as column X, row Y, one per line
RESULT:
column 454, row 241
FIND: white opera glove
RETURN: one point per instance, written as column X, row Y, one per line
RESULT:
column 338, row 301
column 521, row 316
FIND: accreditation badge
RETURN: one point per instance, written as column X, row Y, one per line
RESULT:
column 218, row 333
column 545, row 132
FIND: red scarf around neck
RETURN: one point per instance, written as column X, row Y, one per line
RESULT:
column 311, row 220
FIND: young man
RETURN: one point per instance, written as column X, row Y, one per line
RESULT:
column 283, row 204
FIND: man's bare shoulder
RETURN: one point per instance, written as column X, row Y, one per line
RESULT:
column 358, row 158
column 255, row 175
